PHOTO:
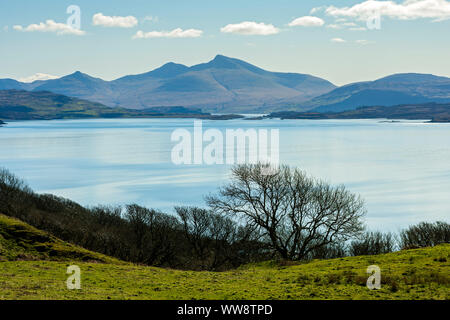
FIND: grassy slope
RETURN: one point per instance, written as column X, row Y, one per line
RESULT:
column 20, row 241
column 410, row 274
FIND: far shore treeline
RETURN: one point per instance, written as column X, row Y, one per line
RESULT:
column 284, row 215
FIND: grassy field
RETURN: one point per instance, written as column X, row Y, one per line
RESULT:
column 30, row 272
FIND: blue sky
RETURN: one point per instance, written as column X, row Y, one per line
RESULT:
column 413, row 36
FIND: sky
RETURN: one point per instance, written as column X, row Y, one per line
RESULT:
column 342, row 41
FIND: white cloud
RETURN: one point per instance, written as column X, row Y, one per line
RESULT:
column 317, row 9
column 357, row 29
column 349, row 24
column 334, row 26
column 176, row 33
column 338, row 40
column 250, row 28
column 154, row 19
column 38, row 76
column 363, row 42
column 307, row 21
column 106, row 21
column 408, row 10
column 50, row 26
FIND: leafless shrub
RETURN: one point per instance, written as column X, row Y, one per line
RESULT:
column 371, row 243
column 425, row 234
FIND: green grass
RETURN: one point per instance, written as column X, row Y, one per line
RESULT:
column 410, row 274
column 20, row 241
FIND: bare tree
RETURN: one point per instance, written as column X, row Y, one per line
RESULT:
column 371, row 243
column 14, row 194
column 425, row 234
column 196, row 225
column 152, row 234
column 296, row 213
column 223, row 233
column 216, row 240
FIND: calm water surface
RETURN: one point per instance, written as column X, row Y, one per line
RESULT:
column 401, row 169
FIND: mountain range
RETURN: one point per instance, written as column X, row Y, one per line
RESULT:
column 226, row 85
column 222, row 85
column 404, row 88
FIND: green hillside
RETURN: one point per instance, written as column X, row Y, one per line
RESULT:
column 20, row 241
column 25, row 105
column 45, row 105
column 33, row 266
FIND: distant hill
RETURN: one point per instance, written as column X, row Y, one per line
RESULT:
column 434, row 112
column 25, row 105
column 407, row 88
column 221, row 85
column 45, row 105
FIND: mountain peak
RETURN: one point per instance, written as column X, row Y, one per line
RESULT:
column 219, row 62
column 413, row 78
column 220, row 57
column 223, row 62
column 169, row 69
column 78, row 75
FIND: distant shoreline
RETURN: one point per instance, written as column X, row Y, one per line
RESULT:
column 435, row 113
column 232, row 117
column 45, row 105
column 168, row 116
